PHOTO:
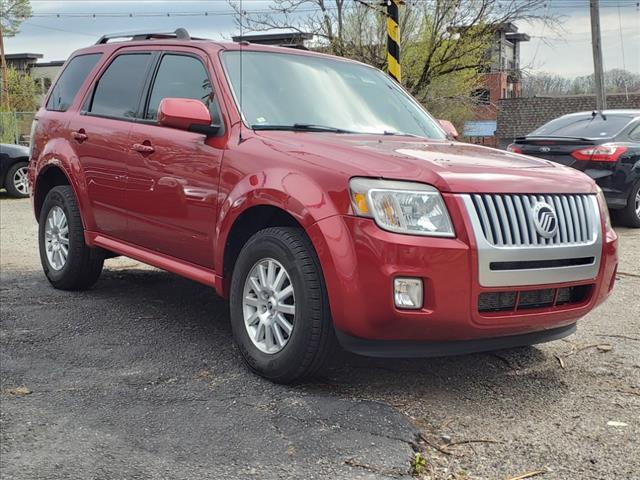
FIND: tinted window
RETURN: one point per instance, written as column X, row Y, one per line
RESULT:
column 118, row 90
column 583, row 126
column 635, row 133
column 180, row 76
column 70, row 81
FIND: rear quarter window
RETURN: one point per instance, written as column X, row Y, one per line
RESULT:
column 69, row 82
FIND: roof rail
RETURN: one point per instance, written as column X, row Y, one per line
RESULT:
column 178, row 34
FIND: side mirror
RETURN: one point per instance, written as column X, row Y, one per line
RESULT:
column 186, row 114
column 449, row 129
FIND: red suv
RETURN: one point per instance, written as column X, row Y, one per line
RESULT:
column 315, row 194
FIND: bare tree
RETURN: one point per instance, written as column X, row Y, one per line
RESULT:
column 544, row 83
column 445, row 44
column 616, row 81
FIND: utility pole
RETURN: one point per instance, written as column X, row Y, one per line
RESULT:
column 4, row 95
column 393, row 38
column 596, row 43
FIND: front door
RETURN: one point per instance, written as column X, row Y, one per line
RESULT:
column 173, row 175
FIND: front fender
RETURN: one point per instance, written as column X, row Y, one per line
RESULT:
column 293, row 192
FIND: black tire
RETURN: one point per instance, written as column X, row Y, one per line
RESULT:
column 312, row 341
column 10, row 186
column 84, row 264
column 628, row 215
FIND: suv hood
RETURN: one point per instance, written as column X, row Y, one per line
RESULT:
column 449, row 166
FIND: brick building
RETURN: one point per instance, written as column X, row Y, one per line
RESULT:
column 502, row 80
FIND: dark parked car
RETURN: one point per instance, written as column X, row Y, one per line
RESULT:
column 14, row 160
column 604, row 146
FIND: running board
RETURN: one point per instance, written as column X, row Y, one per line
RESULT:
column 155, row 259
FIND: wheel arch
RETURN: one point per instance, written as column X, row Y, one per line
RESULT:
column 245, row 225
column 275, row 196
column 50, row 176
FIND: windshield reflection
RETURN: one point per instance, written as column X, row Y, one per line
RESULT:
column 281, row 90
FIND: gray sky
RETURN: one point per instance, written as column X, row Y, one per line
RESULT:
column 567, row 52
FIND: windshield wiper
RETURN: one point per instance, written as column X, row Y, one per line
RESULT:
column 301, row 127
column 400, row 134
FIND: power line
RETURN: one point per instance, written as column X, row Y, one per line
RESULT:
column 624, row 67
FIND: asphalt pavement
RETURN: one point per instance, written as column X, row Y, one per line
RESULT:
column 138, row 378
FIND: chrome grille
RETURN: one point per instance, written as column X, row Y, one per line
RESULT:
column 507, row 220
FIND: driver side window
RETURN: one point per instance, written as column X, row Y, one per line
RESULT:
column 182, row 76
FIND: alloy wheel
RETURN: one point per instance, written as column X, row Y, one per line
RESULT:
column 20, row 181
column 56, row 238
column 638, row 203
column 268, row 306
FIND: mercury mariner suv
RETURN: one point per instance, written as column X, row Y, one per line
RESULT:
column 317, row 196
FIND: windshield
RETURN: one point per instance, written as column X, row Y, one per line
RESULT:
column 583, row 126
column 282, row 90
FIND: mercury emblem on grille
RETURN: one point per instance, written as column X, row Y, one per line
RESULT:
column 545, row 219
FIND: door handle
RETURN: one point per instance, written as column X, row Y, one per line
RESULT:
column 80, row 136
column 143, row 148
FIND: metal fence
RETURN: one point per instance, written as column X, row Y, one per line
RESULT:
column 15, row 127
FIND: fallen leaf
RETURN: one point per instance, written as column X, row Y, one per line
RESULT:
column 20, row 391
column 613, row 423
column 605, row 347
column 561, row 361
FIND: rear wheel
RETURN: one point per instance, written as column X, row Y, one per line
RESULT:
column 630, row 215
column 16, row 183
column 279, row 310
column 68, row 262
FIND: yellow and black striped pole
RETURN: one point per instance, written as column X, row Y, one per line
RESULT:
column 393, row 38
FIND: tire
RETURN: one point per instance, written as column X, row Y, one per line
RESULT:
column 83, row 265
column 312, row 340
column 629, row 216
column 15, row 182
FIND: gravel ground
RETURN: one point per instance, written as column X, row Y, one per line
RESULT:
column 138, row 378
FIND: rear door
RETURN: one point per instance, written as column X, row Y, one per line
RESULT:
column 101, row 137
column 172, row 188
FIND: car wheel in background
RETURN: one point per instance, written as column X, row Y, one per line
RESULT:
column 68, row 262
column 16, row 181
column 279, row 309
column 630, row 215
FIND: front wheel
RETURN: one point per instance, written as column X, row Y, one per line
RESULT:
column 68, row 262
column 279, row 309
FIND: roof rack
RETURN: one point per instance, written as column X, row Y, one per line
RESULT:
column 178, row 34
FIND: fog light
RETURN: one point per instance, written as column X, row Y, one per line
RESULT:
column 407, row 293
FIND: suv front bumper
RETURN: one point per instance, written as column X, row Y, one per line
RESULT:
column 359, row 262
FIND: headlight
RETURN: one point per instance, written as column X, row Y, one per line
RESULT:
column 402, row 207
column 603, row 204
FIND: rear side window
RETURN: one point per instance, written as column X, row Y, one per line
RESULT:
column 117, row 93
column 583, row 127
column 635, row 133
column 179, row 76
column 67, row 86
